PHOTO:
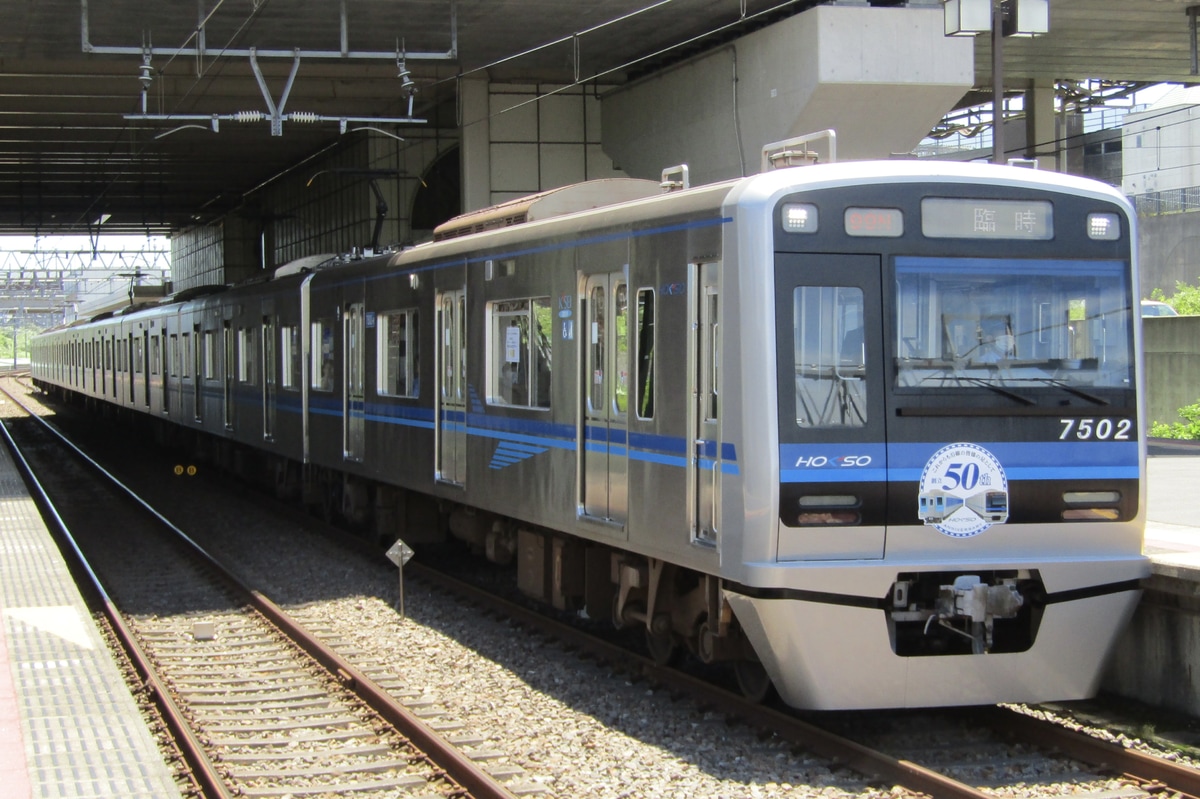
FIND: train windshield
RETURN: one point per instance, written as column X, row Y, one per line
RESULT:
column 984, row 322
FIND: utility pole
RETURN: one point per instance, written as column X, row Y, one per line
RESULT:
column 998, row 154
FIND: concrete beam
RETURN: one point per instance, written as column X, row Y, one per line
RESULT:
column 881, row 77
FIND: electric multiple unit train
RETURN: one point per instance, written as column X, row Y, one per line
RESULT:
column 870, row 432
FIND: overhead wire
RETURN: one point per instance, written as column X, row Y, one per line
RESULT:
column 743, row 19
column 141, row 150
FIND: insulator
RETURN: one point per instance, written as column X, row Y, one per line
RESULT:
column 248, row 116
column 304, row 116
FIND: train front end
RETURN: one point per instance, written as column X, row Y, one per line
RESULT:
column 956, row 509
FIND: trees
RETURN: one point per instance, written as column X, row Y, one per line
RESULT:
column 1189, row 430
column 1185, row 300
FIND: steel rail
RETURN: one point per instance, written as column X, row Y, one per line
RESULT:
column 456, row 766
column 1112, row 757
column 202, row 769
column 1096, row 752
column 841, row 750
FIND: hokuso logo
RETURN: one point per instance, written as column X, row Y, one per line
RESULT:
column 820, row 461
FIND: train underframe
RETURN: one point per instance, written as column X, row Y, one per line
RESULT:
column 679, row 610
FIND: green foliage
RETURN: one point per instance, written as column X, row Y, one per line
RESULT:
column 1185, row 300
column 1189, row 430
column 6, row 345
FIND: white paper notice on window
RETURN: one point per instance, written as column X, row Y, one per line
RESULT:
column 512, row 345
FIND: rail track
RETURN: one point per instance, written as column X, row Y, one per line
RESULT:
column 971, row 753
column 257, row 706
column 988, row 747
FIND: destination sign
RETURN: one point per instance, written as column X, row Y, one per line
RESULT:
column 955, row 218
column 875, row 222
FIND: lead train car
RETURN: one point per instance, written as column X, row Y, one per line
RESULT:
column 870, row 431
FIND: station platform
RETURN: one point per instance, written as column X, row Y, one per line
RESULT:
column 1172, row 538
column 69, row 729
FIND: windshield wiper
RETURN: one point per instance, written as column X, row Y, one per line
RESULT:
column 1012, row 395
column 978, row 381
column 1070, row 389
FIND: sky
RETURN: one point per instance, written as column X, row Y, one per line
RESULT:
column 106, row 243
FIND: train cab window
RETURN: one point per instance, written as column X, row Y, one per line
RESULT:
column 290, row 355
column 247, row 364
column 323, row 355
column 830, row 359
column 398, row 353
column 979, row 323
column 645, row 354
column 519, row 362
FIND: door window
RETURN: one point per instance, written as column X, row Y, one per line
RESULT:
column 830, row 362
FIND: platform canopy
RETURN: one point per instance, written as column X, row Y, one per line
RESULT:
column 152, row 115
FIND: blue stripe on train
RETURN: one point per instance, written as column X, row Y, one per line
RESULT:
column 1045, row 460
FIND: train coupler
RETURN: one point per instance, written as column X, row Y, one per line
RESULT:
column 976, row 605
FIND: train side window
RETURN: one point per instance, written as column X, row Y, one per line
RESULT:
column 398, row 353
column 519, row 357
column 173, row 353
column 290, row 355
column 185, row 355
column 247, row 356
column 322, row 355
column 645, row 354
column 710, row 355
column 210, row 355
column 621, row 387
column 830, row 362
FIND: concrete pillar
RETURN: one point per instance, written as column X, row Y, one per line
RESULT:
column 475, row 147
column 1041, row 130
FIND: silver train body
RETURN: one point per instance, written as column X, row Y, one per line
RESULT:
column 872, row 430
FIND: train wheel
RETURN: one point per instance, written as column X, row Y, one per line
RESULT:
column 752, row 679
column 663, row 649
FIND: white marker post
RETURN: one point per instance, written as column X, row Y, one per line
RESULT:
column 400, row 553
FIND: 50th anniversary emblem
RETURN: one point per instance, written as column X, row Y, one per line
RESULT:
column 963, row 491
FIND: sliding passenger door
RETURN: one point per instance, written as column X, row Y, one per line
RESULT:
column 354, row 364
column 704, row 444
column 451, row 390
column 164, row 366
column 270, row 382
column 199, row 350
column 603, row 434
column 229, row 341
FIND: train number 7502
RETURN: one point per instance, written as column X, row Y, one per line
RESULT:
column 1096, row 429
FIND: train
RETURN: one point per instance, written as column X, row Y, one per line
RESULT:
column 869, row 433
